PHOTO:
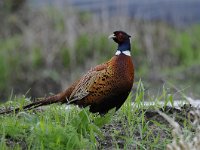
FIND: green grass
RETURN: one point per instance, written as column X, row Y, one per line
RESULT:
column 55, row 127
column 25, row 55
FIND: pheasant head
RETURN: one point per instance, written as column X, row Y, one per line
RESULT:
column 123, row 41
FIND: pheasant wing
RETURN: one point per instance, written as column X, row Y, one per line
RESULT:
column 81, row 89
column 87, row 82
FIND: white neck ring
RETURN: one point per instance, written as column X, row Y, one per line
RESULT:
column 126, row 52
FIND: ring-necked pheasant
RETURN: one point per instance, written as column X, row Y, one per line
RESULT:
column 103, row 87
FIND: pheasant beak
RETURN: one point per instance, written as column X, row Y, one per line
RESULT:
column 111, row 36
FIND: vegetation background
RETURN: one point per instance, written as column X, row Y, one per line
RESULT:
column 44, row 46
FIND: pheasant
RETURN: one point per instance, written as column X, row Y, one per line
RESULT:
column 103, row 87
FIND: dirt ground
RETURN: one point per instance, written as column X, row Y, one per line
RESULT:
column 180, row 115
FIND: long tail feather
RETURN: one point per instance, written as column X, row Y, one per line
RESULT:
column 46, row 101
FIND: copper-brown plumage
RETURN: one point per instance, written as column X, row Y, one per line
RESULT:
column 103, row 87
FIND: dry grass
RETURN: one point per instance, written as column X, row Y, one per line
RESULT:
column 184, row 139
column 56, row 46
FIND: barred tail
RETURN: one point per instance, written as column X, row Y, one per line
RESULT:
column 45, row 101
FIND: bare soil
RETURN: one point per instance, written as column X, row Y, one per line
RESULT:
column 180, row 115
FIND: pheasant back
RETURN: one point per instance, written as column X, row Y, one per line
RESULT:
column 106, row 86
